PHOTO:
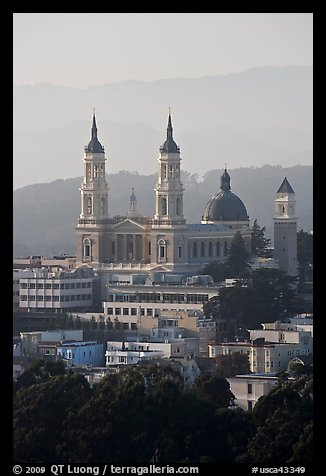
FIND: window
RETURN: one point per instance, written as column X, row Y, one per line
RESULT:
column 249, row 405
column 149, row 312
column 164, row 206
column 218, row 248
column 110, row 311
column 125, row 311
column 133, row 311
column 96, row 171
column 89, row 205
column 48, row 286
column 225, row 248
column 133, row 326
column 125, row 325
column 171, row 171
column 118, row 311
column 202, row 249
column 210, row 249
column 249, row 387
column 149, row 248
column 179, row 251
column 195, row 249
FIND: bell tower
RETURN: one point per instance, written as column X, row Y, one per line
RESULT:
column 169, row 189
column 92, row 246
column 285, row 229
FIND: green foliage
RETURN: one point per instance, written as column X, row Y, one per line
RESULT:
column 143, row 414
column 217, row 270
column 39, row 371
column 214, row 389
column 271, row 297
column 281, row 418
column 259, row 243
column 238, row 259
column 231, row 365
column 305, row 256
column 39, row 413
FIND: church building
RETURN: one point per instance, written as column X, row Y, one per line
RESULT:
column 164, row 242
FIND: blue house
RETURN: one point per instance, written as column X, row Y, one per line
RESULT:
column 81, row 353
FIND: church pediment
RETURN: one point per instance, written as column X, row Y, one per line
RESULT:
column 128, row 226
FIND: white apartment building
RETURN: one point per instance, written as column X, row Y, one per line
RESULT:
column 128, row 303
column 247, row 389
column 18, row 274
column 176, row 348
column 57, row 291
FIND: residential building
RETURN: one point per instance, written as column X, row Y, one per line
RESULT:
column 81, row 353
column 264, row 357
column 30, row 340
column 59, row 291
column 248, row 388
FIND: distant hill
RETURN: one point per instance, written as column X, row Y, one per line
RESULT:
column 257, row 117
column 45, row 215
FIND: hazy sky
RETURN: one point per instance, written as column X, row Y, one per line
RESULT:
column 88, row 49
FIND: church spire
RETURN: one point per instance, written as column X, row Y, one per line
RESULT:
column 94, row 144
column 94, row 128
column 169, row 145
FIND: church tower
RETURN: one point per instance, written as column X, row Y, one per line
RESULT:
column 169, row 189
column 285, row 229
column 92, row 246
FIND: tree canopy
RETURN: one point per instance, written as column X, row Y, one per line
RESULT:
column 259, row 243
column 143, row 414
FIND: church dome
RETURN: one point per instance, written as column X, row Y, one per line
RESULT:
column 225, row 205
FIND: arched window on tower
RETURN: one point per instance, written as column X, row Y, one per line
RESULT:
column 162, row 249
column 87, row 249
column 177, row 171
column 89, row 206
column 164, row 206
column 283, row 209
column 102, row 171
column 95, row 171
column 89, row 170
column 202, row 249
